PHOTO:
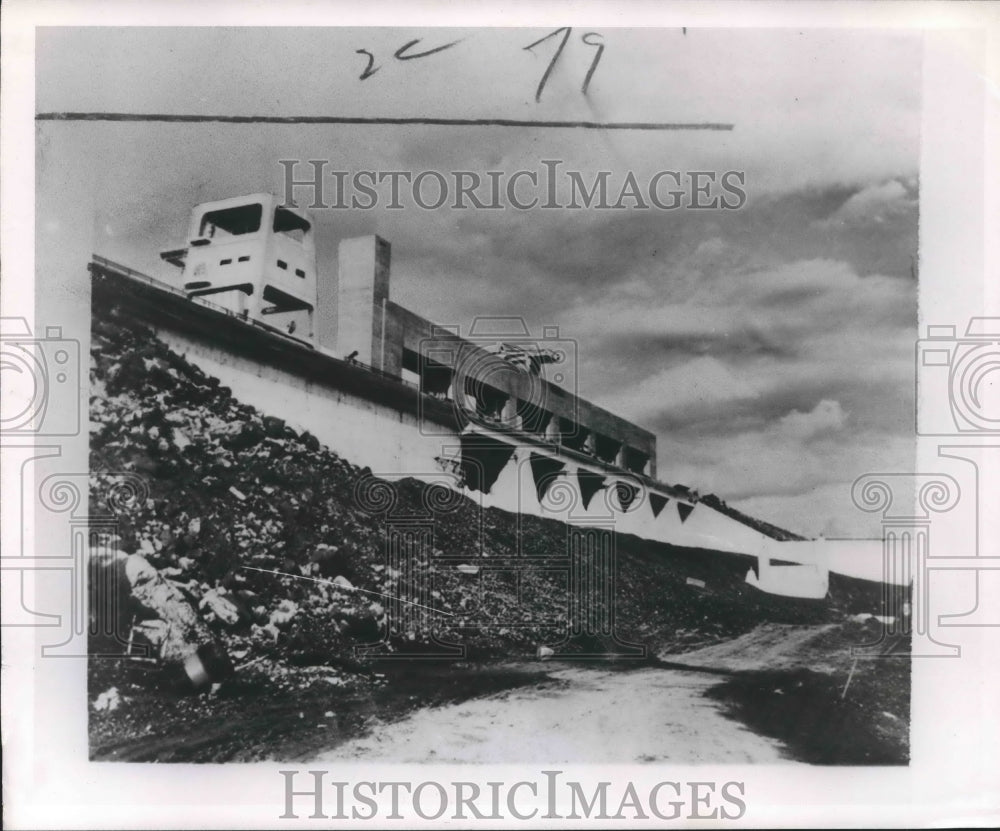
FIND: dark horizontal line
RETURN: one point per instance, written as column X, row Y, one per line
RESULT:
column 336, row 119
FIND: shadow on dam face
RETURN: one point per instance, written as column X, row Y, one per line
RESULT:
column 482, row 460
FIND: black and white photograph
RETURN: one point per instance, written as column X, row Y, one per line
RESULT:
column 545, row 422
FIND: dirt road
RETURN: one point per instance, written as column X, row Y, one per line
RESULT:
column 583, row 715
column 777, row 694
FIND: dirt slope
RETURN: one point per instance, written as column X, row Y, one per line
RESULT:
column 230, row 487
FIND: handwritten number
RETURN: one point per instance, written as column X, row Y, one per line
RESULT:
column 588, row 39
column 400, row 53
column 555, row 58
column 597, row 57
column 403, row 54
column 371, row 62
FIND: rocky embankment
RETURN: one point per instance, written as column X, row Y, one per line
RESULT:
column 246, row 544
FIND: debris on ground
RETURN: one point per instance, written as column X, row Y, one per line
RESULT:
column 109, row 700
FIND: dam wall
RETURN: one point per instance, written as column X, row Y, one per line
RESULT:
column 391, row 427
column 390, row 442
column 379, row 421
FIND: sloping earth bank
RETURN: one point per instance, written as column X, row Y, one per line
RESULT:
column 229, row 487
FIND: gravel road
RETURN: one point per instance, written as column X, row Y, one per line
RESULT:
column 582, row 715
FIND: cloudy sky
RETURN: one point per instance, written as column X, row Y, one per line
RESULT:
column 769, row 348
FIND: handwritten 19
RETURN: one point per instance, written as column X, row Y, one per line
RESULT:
column 593, row 39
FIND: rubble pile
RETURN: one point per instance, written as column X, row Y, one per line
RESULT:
column 258, row 533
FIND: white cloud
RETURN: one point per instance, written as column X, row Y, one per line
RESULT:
column 875, row 204
column 702, row 382
column 825, row 418
column 792, row 425
column 825, row 509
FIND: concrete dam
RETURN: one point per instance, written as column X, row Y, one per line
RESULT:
column 489, row 412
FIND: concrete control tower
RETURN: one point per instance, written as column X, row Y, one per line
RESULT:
column 256, row 258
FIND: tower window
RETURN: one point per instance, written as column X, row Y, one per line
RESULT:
column 290, row 224
column 231, row 222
